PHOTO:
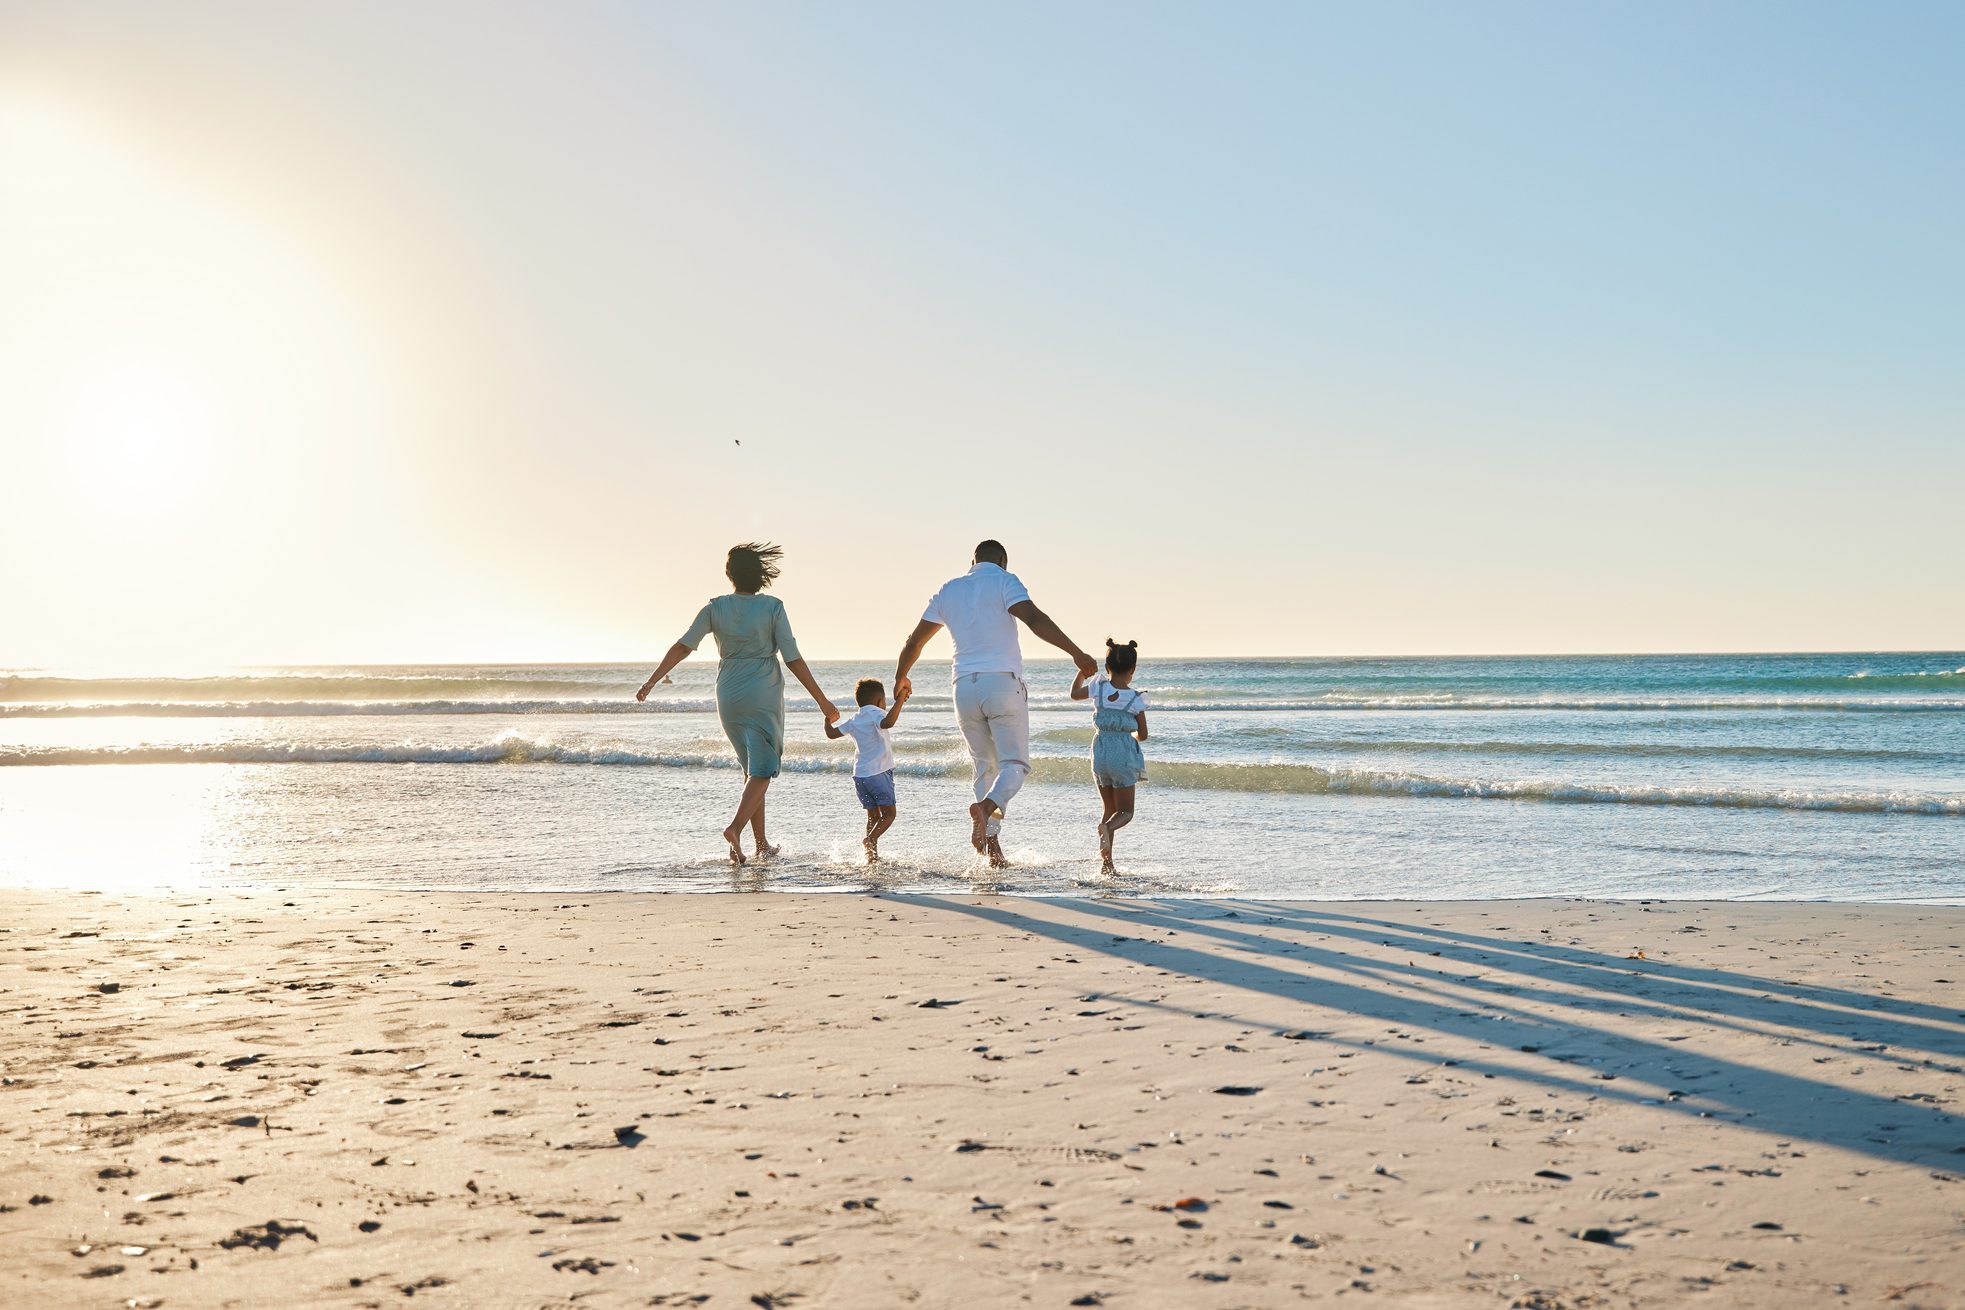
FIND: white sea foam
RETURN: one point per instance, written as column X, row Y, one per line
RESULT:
column 1303, row 779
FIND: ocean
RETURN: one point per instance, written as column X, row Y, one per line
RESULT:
column 1801, row 777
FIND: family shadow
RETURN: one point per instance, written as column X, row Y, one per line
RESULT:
column 1553, row 1007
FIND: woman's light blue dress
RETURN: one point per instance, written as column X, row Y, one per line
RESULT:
column 1117, row 760
column 752, row 633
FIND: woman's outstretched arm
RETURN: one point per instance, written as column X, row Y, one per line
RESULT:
column 677, row 654
column 803, row 673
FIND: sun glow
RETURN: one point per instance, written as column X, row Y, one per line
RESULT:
column 196, row 368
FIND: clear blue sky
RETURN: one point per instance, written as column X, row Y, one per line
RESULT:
column 1257, row 328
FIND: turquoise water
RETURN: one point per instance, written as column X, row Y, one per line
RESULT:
column 1804, row 776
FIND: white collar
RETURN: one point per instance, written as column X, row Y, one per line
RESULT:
column 985, row 564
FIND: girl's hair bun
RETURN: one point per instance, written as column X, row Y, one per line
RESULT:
column 1110, row 644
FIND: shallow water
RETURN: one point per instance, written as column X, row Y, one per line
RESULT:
column 1795, row 776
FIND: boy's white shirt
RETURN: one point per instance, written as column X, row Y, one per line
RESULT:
column 875, row 752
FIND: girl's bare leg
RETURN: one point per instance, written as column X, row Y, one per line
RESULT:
column 1104, row 837
column 1118, row 815
column 752, row 802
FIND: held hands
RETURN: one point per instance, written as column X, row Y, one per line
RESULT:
column 1087, row 666
column 903, row 688
column 827, row 708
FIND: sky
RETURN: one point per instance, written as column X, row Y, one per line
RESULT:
column 475, row 331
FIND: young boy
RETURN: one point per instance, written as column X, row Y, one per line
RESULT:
column 873, row 769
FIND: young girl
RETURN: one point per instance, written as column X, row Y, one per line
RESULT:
column 1117, row 761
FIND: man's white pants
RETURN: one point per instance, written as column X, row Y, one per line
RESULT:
column 994, row 711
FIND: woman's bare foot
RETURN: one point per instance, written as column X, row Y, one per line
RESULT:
column 979, row 815
column 736, row 852
column 997, row 859
column 1105, row 844
column 767, row 852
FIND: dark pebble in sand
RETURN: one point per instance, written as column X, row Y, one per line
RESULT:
column 1772, row 1228
column 244, row 1121
column 369, row 1225
column 1550, row 1173
column 115, row 1171
column 1236, row 1091
column 103, row 1271
column 109, row 989
column 268, row 1235
column 39, row 1199
column 933, row 1004
column 1279, row 1205
column 629, row 1136
column 965, row 1147
column 1089, row 1298
column 1602, row 1236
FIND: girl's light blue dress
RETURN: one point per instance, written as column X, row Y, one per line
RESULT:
column 752, row 634
column 1117, row 760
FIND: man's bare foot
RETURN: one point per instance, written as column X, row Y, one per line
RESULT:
column 873, row 850
column 979, row 816
column 997, row 859
column 736, row 851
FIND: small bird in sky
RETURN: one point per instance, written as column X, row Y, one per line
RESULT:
column 739, row 443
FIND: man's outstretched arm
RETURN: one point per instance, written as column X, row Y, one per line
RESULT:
column 1040, row 623
column 924, row 632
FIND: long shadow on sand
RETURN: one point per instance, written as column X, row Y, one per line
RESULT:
column 1532, row 998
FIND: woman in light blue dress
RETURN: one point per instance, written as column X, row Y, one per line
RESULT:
column 752, row 634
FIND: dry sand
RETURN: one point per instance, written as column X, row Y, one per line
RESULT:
column 353, row 1098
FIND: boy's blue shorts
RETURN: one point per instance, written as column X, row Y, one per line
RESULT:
column 875, row 791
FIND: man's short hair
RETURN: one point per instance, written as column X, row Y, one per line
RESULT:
column 992, row 552
column 867, row 690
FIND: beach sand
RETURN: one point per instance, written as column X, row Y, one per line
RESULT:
column 333, row 1098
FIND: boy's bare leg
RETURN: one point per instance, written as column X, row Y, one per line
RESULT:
column 878, row 821
column 997, row 859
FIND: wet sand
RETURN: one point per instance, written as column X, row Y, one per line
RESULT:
column 364, row 1098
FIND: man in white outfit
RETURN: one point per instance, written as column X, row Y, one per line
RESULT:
column 980, row 610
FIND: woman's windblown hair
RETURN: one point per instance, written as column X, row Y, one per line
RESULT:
column 1121, row 659
column 753, row 565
